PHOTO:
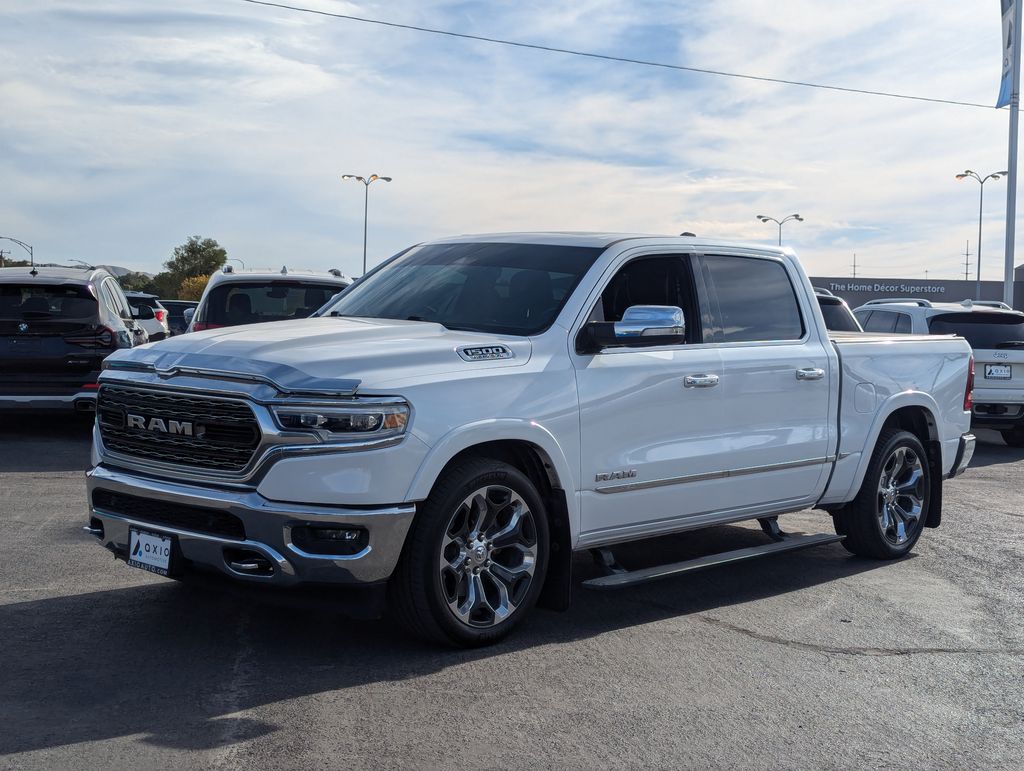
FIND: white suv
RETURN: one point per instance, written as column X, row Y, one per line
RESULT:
column 995, row 332
column 254, row 296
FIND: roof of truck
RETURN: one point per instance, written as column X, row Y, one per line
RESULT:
column 601, row 240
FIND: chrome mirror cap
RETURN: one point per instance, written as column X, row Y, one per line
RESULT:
column 651, row 321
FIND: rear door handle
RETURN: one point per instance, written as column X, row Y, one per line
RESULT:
column 700, row 381
column 810, row 373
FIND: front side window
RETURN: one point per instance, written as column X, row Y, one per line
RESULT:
column 752, row 300
column 511, row 289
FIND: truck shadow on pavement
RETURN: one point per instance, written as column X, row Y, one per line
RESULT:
column 175, row 665
column 991, row 450
column 45, row 441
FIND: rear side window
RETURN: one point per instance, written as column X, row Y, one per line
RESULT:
column 230, row 304
column 981, row 330
column 46, row 301
column 752, row 300
column 903, row 325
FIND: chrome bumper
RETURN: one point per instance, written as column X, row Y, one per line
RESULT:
column 268, row 526
column 964, row 453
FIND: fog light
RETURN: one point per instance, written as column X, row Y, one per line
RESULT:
column 324, row 539
column 333, row 534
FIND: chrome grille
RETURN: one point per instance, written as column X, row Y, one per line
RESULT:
column 225, row 431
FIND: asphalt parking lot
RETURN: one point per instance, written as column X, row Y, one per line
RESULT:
column 809, row 659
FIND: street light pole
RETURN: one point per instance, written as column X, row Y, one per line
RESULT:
column 23, row 245
column 236, row 259
column 367, row 181
column 781, row 222
column 981, row 203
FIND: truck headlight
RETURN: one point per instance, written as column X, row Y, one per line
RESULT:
column 353, row 422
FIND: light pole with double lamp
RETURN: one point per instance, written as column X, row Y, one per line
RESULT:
column 23, row 245
column 781, row 222
column 367, row 181
column 981, row 201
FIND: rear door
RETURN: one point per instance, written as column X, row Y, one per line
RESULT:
column 775, row 423
column 50, row 337
column 997, row 339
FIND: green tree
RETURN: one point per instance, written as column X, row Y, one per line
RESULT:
column 192, row 287
column 198, row 256
column 165, row 285
column 136, row 282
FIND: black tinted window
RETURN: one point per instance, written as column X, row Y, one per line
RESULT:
column 981, row 330
column 42, row 301
column 881, row 321
column 838, row 316
column 515, row 289
column 753, row 300
column 253, row 302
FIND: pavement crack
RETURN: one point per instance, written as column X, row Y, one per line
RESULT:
column 853, row 650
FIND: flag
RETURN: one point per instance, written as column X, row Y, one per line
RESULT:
column 1009, row 40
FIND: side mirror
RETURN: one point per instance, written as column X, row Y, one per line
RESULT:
column 143, row 313
column 187, row 314
column 641, row 326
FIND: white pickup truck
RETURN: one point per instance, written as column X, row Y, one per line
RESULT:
column 470, row 413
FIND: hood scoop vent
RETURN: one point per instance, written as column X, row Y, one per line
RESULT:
column 485, row 352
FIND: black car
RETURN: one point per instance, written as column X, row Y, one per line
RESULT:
column 176, row 314
column 56, row 327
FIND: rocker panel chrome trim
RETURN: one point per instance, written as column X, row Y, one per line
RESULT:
column 630, row 486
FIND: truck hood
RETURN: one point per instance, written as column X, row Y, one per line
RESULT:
column 332, row 354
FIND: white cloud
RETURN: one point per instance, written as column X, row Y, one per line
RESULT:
column 124, row 128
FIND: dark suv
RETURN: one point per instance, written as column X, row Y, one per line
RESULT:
column 56, row 327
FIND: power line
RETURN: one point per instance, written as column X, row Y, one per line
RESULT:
column 610, row 58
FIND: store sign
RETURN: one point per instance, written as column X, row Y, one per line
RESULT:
column 895, row 288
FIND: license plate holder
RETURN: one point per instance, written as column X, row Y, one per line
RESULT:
column 998, row 371
column 153, row 552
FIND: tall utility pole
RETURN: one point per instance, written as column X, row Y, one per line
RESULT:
column 967, row 261
column 855, row 265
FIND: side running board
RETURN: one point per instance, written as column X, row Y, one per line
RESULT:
column 619, row 578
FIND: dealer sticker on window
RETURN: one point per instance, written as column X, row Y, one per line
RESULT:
column 998, row 371
column 149, row 551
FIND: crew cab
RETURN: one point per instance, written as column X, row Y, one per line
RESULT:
column 473, row 411
column 995, row 332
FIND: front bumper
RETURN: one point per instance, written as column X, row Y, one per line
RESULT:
column 267, row 532
column 964, row 453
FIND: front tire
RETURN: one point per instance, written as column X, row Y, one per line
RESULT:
column 474, row 563
column 886, row 518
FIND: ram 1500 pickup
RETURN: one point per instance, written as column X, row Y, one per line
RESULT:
column 457, row 423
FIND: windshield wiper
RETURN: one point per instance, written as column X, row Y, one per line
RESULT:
column 1011, row 344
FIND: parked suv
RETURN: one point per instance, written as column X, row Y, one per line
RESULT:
column 995, row 332
column 157, row 327
column 177, row 320
column 56, row 327
column 254, row 296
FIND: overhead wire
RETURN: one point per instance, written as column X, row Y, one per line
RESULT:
column 612, row 58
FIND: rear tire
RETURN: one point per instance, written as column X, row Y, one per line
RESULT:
column 886, row 518
column 1014, row 437
column 474, row 563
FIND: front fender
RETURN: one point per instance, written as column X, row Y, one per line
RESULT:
column 499, row 429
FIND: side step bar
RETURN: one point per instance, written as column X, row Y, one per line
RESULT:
column 618, row 580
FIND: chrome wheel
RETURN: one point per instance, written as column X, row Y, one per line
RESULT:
column 901, row 495
column 488, row 556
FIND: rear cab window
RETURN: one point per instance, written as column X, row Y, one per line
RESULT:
column 982, row 330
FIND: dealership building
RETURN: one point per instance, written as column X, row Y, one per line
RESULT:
column 857, row 291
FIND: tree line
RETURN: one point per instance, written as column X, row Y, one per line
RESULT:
column 185, row 275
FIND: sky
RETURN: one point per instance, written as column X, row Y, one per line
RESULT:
column 126, row 127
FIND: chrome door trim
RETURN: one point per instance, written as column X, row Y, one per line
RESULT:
column 630, row 486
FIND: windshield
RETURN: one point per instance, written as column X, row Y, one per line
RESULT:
column 981, row 330
column 253, row 302
column 44, row 301
column 511, row 289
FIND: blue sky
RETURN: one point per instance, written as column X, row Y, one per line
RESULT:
column 125, row 127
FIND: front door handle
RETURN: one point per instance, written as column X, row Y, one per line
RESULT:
column 810, row 373
column 700, row 381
